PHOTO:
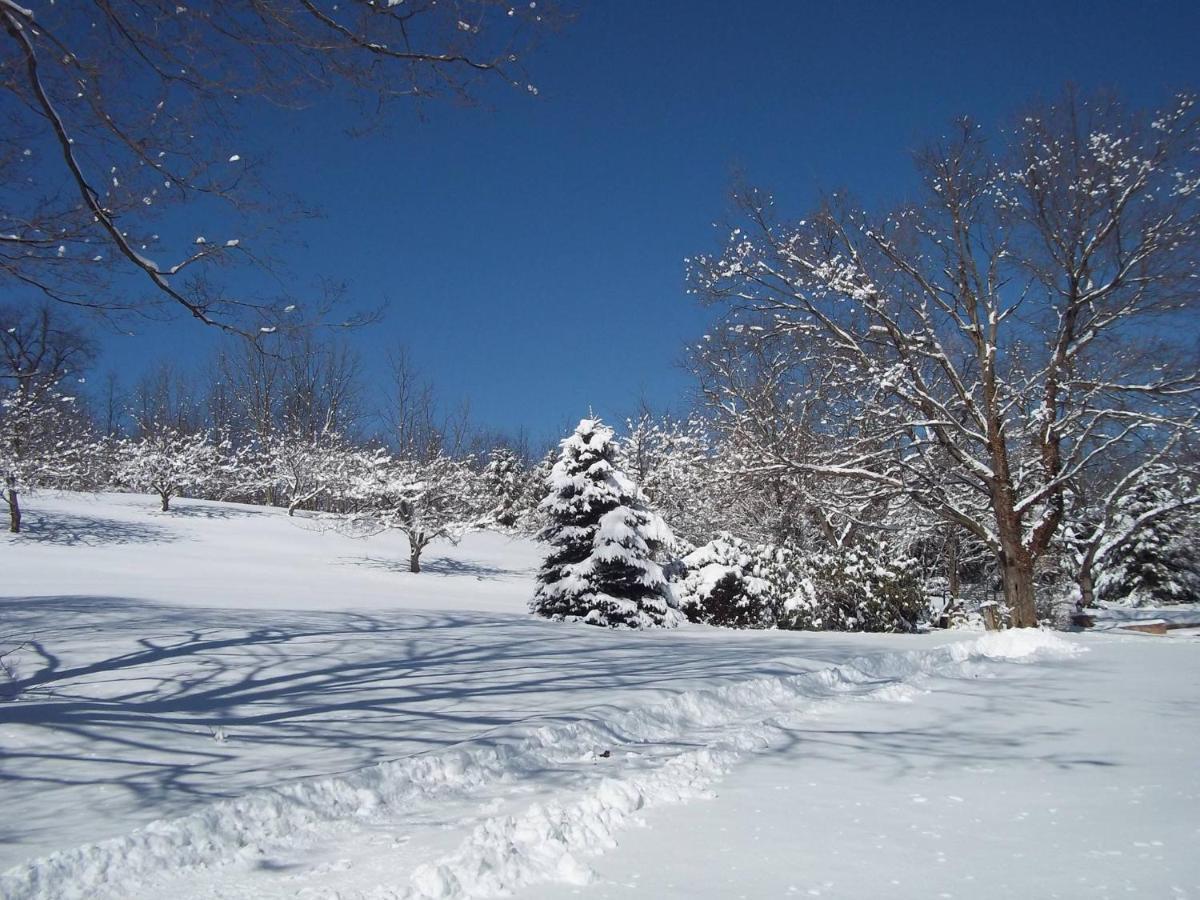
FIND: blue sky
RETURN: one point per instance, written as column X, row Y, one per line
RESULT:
column 531, row 249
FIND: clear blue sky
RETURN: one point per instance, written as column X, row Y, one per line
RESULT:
column 531, row 249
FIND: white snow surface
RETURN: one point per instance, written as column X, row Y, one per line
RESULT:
column 225, row 702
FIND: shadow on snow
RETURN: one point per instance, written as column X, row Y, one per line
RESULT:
column 142, row 689
column 435, row 565
column 91, row 531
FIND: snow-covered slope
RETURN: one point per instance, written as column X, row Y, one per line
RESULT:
column 231, row 556
column 224, row 702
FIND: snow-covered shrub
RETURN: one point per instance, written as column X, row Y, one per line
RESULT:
column 603, row 539
column 736, row 584
column 863, row 587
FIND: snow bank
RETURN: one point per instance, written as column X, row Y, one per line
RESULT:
column 1015, row 644
column 543, row 841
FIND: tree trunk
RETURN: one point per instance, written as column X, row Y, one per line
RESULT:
column 14, row 510
column 414, row 557
column 1016, row 572
column 953, row 585
column 1087, row 586
column 166, row 501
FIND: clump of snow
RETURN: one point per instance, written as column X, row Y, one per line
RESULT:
column 1015, row 644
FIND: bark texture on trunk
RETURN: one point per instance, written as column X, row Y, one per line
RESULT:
column 14, row 510
column 1017, row 579
column 166, row 502
column 414, row 559
column 953, row 585
column 1087, row 588
column 1086, row 580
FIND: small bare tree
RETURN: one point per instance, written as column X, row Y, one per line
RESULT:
column 44, row 442
column 439, row 498
column 39, row 347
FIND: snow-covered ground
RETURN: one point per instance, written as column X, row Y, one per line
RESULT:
column 225, row 702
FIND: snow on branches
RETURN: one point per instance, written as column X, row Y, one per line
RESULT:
column 42, row 444
column 982, row 351
column 169, row 462
column 427, row 500
column 603, row 539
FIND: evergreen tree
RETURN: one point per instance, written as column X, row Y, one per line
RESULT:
column 603, row 539
column 1159, row 563
column 503, row 479
column 866, row 586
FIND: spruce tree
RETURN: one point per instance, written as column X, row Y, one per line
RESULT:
column 502, row 478
column 1159, row 564
column 603, row 538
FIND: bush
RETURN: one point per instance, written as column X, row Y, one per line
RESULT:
column 732, row 583
column 864, row 587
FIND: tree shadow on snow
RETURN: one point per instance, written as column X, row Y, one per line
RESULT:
column 185, row 510
column 159, row 706
column 145, row 693
column 68, row 530
column 434, row 566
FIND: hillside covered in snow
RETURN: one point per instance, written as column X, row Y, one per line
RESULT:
column 223, row 701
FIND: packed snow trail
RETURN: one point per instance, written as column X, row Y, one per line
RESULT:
column 1072, row 778
column 549, row 796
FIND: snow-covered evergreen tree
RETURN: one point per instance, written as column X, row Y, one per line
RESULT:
column 866, row 586
column 532, row 518
column 1158, row 563
column 504, row 483
column 737, row 584
column 603, row 539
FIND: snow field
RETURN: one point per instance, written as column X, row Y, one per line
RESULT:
column 545, row 840
column 224, row 703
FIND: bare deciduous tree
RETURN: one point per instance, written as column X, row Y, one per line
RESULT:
column 39, row 348
column 987, row 346
column 112, row 111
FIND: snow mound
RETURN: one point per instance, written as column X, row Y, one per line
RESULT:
column 1015, row 644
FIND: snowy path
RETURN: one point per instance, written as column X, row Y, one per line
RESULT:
column 490, row 817
column 1064, row 778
